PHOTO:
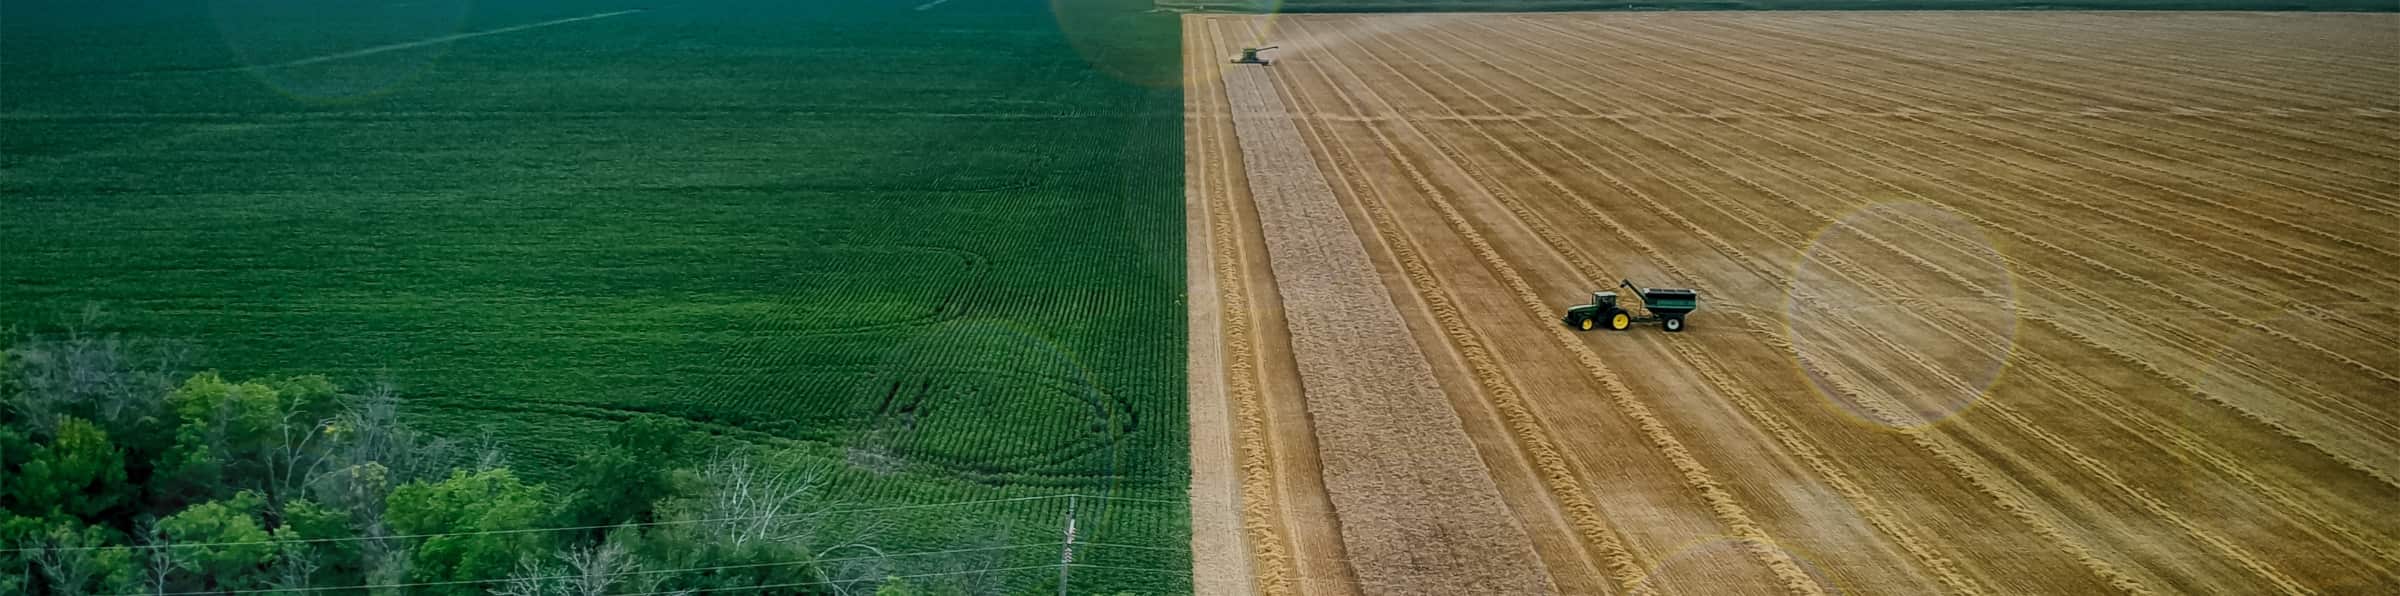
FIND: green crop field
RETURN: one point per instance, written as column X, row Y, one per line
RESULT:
column 940, row 243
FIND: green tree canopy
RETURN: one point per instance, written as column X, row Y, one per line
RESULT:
column 486, row 501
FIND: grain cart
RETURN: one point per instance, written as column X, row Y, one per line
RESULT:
column 1250, row 56
column 1667, row 306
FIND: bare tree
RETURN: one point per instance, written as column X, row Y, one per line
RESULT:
column 104, row 377
column 588, row 570
column 750, row 500
column 532, row 578
column 595, row 568
column 164, row 557
column 69, row 566
column 295, row 565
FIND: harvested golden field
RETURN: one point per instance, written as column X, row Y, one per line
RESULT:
column 1991, row 303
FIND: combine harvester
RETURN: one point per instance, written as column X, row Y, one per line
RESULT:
column 1250, row 56
column 1667, row 306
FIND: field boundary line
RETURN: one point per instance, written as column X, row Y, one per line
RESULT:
column 1268, row 547
column 1206, row 370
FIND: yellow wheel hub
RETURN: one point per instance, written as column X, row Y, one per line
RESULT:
column 1587, row 324
column 1620, row 322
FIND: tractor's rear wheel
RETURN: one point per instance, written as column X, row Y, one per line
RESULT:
column 1620, row 321
column 1674, row 324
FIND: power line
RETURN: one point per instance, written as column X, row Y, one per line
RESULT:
column 580, row 528
column 1149, row 569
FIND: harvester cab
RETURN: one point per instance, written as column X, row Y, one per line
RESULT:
column 1250, row 56
column 1666, row 306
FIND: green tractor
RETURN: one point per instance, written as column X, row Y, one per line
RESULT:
column 1666, row 306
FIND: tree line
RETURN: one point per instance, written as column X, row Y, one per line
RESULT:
column 120, row 473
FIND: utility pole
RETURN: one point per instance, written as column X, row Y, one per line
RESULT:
column 1066, row 551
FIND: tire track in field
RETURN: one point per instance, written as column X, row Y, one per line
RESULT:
column 1271, row 570
column 1910, row 539
column 2146, row 327
column 2065, row 82
column 1721, row 502
column 1981, row 477
column 2181, row 29
column 1557, row 470
column 2054, row 87
column 2025, row 48
column 2300, row 251
column 1371, row 388
column 2155, row 68
column 2181, row 298
column 2071, row 91
column 2195, row 270
column 2051, row 372
column 2156, row 506
column 2157, row 71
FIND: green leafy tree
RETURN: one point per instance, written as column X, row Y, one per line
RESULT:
column 331, row 559
column 78, row 474
column 226, row 546
column 624, row 480
column 487, row 501
column 259, row 435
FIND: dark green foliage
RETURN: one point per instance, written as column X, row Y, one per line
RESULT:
column 230, row 552
column 620, row 481
column 77, row 473
column 486, row 501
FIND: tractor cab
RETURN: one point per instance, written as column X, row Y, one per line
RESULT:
column 1584, row 317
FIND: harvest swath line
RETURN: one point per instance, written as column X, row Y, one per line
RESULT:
column 2313, row 255
column 2189, row 268
column 1713, row 371
column 1719, row 243
column 2146, row 419
column 2050, row 372
column 1696, row 475
column 2086, row 291
column 2022, row 83
column 1266, row 543
column 1557, row 470
column 2206, row 140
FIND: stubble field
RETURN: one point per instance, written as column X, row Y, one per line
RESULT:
column 1991, row 303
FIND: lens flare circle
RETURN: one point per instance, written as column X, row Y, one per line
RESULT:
column 1903, row 314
